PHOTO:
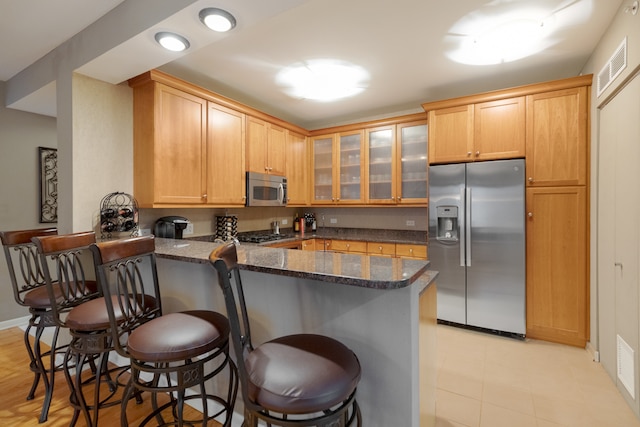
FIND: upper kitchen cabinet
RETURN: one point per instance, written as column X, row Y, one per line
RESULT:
column 474, row 132
column 225, row 156
column 499, row 129
column 451, row 134
column 191, row 148
column 396, row 164
column 266, row 144
column 381, row 165
column 411, row 160
column 169, row 153
column 557, row 141
column 297, row 169
column 338, row 161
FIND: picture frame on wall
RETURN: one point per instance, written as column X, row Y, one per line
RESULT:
column 48, row 161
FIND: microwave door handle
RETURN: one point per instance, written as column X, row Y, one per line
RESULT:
column 281, row 194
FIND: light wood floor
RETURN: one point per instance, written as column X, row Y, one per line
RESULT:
column 15, row 382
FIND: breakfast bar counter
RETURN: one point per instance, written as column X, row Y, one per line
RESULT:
column 384, row 309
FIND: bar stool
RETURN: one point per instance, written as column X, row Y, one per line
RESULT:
column 169, row 353
column 294, row 380
column 80, row 308
column 29, row 291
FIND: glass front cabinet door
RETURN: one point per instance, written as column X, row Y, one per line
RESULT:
column 351, row 160
column 412, row 163
column 381, row 149
column 322, row 147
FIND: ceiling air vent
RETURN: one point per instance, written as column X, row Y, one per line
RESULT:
column 613, row 67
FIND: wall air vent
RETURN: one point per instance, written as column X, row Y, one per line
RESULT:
column 613, row 67
column 626, row 371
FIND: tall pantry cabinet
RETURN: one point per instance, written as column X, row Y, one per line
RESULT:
column 557, row 210
column 547, row 124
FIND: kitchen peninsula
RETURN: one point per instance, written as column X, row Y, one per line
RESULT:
column 383, row 308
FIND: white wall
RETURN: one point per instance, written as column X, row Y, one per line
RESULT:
column 20, row 136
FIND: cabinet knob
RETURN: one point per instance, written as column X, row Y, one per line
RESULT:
column 348, row 245
column 477, row 153
column 468, row 153
column 204, row 196
column 338, row 199
column 530, row 180
column 380, row 248
column 530, row 214
column 410, row 250
column 399, row 198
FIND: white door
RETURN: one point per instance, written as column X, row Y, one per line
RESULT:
column 619, row 232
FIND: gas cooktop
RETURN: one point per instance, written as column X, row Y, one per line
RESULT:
column 262, row 237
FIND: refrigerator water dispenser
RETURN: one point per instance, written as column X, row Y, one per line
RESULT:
column 447, row 226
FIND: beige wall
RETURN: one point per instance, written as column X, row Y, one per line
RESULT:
column 20, row 136
column 611, row 313
column 102, row 160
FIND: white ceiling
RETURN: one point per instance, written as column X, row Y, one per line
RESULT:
column 404, row 45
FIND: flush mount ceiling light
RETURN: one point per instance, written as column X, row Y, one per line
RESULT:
column 217, row 19
column 171, row 41
column 506, row 31
column 323, row 80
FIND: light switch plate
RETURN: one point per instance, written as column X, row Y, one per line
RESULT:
column 333, row 220
column 411, row 223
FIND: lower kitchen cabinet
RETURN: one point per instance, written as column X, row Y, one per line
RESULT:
column 557, row 263
column 348, row 246
column 411, row 251
column 381, row 249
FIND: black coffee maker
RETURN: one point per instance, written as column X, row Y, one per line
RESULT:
column 170, row 227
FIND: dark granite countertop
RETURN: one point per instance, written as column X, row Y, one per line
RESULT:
column 348, row 269
column 358, row 234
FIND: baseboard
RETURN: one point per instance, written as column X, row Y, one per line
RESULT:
column 21, row 322
column 595, row 354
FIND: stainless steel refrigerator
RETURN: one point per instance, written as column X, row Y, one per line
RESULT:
column 477, row 243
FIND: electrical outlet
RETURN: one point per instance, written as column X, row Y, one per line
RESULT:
column 144, row 232
column 285, row 221
column 411, row 223
column 333, row 220
column 189, row 229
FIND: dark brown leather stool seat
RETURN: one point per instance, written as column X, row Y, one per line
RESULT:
column 303, row 373
column 183, row 335
column 39, row 297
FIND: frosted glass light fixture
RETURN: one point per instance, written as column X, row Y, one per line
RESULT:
column 217, row 19
column 171, row 41
column 323, row 80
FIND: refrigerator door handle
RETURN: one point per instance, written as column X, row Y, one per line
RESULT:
column 467, row 224
column 463, row 228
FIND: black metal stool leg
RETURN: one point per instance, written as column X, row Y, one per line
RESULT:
column 33, row 363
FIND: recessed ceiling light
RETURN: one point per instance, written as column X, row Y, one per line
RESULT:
column 217, row 19
column 323, row 80
column 171, row 41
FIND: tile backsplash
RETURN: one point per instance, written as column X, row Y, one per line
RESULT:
column 251, row 219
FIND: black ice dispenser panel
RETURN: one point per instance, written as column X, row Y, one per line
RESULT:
column 447, row 223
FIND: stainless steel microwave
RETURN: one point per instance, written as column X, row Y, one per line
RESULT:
column 266, row 190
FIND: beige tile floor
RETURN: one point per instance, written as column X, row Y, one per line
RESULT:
column 491, row 381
